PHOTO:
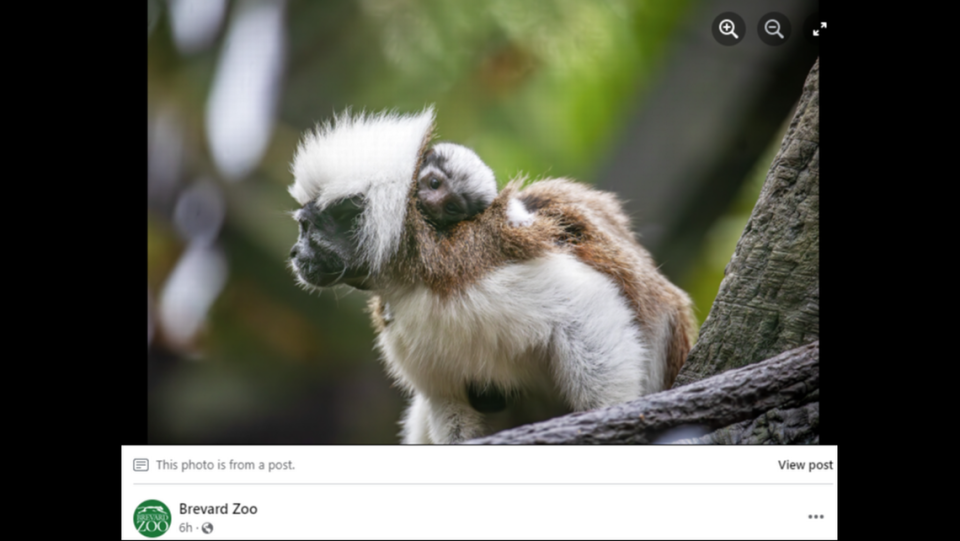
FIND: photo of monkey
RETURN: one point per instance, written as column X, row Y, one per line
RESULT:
column 548, row 288
column 434, row 222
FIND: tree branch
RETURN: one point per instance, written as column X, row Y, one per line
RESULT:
column 789, row 380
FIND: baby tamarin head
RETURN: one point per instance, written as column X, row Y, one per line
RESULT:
column 454, row 184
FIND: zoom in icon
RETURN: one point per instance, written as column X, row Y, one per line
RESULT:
column 729, row 28
column 774, row 29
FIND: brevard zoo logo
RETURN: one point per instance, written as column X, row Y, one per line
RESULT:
column 152, row 518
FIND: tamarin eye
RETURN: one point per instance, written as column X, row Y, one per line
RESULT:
column 434, row 183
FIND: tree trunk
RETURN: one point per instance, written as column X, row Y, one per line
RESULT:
column 768, row 308
column 769, row 300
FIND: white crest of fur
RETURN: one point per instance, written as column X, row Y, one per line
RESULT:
column 374, row 155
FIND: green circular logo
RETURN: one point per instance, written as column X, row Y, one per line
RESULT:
column 152, row 518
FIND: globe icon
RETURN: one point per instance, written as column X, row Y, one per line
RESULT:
column 207, row 527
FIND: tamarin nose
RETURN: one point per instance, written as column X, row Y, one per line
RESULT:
column 293, row 252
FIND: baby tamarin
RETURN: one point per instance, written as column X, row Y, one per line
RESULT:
column 454, row 184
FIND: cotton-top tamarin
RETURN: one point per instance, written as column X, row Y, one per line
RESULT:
column 546, row 288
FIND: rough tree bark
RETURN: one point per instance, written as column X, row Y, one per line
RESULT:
column 790, row 379
column 769, row 300
column 768, row 308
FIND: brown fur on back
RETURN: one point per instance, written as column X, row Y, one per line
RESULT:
column 683, row 329
column 570, row 217
column 598, row 232
column 448, row 261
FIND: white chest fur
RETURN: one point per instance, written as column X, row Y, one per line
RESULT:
column 550, row 318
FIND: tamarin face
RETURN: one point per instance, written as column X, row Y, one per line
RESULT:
column 442, row 200
column 454, row 184
column 326, row 251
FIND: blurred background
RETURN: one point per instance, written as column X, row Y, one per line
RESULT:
column 634, row 97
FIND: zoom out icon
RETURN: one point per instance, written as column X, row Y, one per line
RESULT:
column 774, row 29
column 729, row 28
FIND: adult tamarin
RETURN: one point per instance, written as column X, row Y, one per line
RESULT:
column 545, row 288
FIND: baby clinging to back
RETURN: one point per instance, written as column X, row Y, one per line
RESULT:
column 454, row 184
